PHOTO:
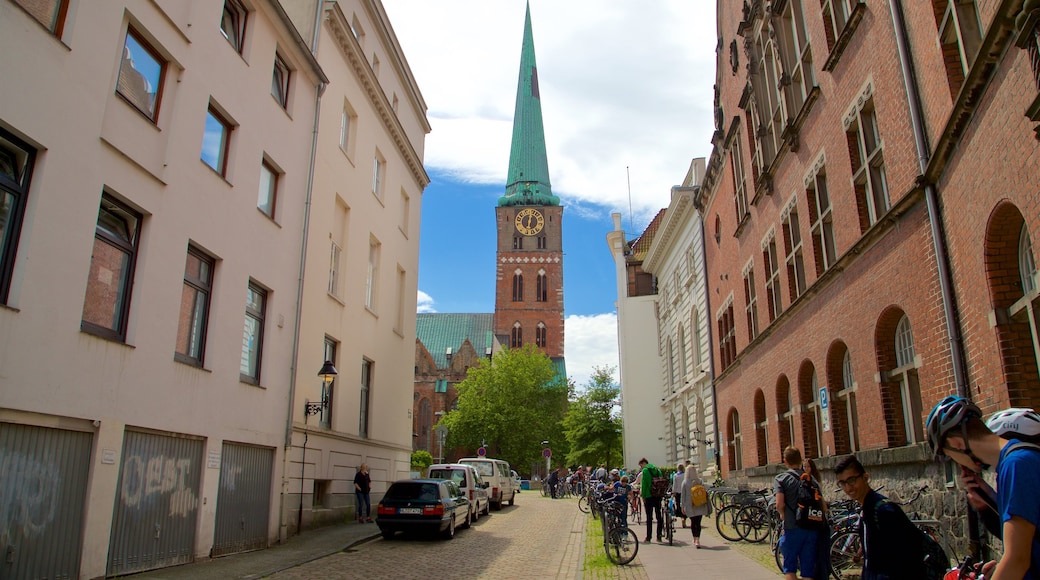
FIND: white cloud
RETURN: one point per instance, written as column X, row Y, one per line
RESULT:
column 625, row 83
column 591, row 341
column 424, row 303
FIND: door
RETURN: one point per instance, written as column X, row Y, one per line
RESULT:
column 244, row 499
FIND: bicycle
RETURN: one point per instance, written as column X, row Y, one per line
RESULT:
column 733, row 519
column 619, row 542
column 636, row 506
column 668, row 510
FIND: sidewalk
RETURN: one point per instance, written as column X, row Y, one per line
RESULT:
column 299, row 549
column 717, row 558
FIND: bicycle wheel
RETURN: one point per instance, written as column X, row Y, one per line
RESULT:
column 846, row 554
column 583, row 505
column 753, row 524
column 622, row 545
column 777, row 555
column 725, row 523
column 669, row 527
column 718, row 501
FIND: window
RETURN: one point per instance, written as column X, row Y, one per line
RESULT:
column 671, row 366
column 847, row 395
column 335, row 253
column 406, row 212
column 366, row 396
column 372, row 279
column 836, row 15
column 424, row 422
column 116, row 238
column 233, row 24
column 772, row 263
column 1026, row 264
column 740, row 199
column 331, row 348
column 540, row 335
column 378, row 175
column 960, row 37
column 682, row 352
column 718, row 230
column 727, row 337
column 141, row 74
column 280, row 81
column 268, row 194
column 375, row 65
column 347, row 129
column 817, row 417
column 736, row 456
column 516, row 337
column 16, row 165
column 751, row 300
column 868, row 166
column 793, row 248
column 194, row 313
column 542, row 289
column 797, row 55
column 821, row 221
column 359, row 33
column 542, row 243
column 518, row 243
column 518, row 286
column 695, row 324
column 50, row 13
column 769, row 106
column 905, row 375
column 253, row 334
column 401, row 294
column 215, row 140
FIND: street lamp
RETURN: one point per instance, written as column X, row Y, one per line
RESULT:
column 328, row 374
column 546, row 445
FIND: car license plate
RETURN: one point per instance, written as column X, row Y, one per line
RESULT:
column 410, row 511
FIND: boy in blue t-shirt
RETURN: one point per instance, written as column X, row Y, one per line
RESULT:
column 955, row 430
column 622, row 491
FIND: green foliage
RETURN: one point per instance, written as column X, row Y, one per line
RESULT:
column 421, row 459
column 592, row 425
column 513, row 403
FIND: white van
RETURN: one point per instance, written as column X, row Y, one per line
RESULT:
column 469, row 480
column 497, row 473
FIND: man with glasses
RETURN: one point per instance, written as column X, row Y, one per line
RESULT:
column 956, row 431
column 892, row 547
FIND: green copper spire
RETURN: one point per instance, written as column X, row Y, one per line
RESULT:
column 528, row 180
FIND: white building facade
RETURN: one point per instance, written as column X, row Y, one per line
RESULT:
column 159, row 189
column 676, row 258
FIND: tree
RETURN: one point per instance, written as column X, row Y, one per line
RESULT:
column 421, row 459
column 512, row 403
column 592, row 424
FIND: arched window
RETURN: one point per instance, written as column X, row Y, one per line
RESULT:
column 518, row 286
column 904, row 420
column 844, row 414
column 904, row 343
column 736, row 460
column 817, row 412
column 682, row 352
column 516, row 339
column 1026, row 264
column 425, row 425
column 539, row 335
column 671, row 366
column 761, row 434
column 785, row 413
column 542, row 289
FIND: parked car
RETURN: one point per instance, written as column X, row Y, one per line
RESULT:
column 472, row 484
column 497, row 473
column 516, row 480
column 430, row 505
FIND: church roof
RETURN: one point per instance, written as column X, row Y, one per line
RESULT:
column 641, row 245
column 528, row 180
column 439, row 331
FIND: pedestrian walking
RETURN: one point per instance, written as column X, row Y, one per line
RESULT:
column 677, row 483
column 694, row 500
column 798, row 544
column 651, row 503
column 362, row 488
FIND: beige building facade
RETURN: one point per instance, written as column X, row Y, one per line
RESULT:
column 167, row 197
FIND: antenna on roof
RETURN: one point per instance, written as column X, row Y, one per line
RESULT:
column 628, row 176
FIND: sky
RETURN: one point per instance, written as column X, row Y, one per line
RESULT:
column 626, row 91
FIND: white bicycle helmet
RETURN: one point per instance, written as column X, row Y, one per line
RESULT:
column 1015, row 421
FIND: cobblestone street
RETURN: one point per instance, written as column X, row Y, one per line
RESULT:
column 536, row 538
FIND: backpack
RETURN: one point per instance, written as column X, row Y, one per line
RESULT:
column 658, row 484
column 936, row 562
column 698, row 496
column 809, row 514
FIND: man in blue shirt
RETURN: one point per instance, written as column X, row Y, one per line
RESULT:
column 955, row 430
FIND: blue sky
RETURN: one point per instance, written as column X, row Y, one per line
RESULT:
column 618, row 116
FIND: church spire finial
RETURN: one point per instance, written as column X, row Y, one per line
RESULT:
column 528, row 179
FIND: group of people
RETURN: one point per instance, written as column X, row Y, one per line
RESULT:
column 893, row 548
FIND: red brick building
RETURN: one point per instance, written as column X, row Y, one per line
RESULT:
column 869, row 203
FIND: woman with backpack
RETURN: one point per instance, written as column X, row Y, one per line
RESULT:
column 694, row 500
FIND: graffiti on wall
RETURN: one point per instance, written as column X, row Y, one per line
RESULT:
column 150, row 479
column 28, row 495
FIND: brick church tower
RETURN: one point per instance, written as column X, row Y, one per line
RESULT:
column 529, row 218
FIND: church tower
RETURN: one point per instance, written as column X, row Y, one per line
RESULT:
column 529, row 261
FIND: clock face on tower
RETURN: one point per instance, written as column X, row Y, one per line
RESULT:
column 529, row 221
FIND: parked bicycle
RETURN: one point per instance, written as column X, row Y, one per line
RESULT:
column 619, row 542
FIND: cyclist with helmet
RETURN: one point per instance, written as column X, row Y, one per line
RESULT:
column 956, row 430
